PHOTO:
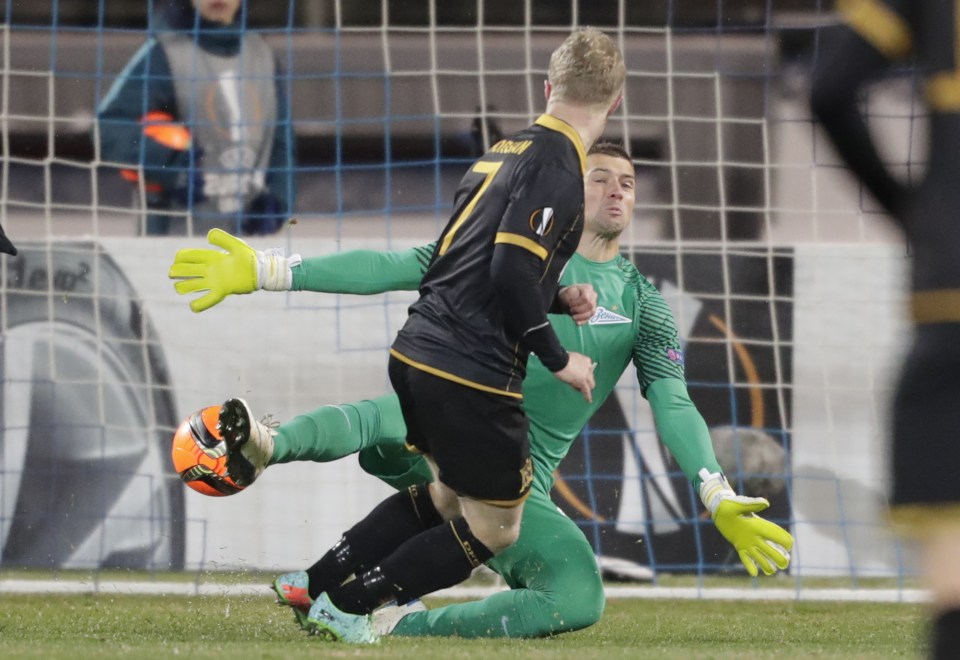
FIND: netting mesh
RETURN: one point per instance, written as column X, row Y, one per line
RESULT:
column 784, row 280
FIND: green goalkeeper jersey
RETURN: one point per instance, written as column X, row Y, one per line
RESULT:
column 632, row 324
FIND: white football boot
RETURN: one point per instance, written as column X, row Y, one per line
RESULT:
column 249, row 442
column 386, row 618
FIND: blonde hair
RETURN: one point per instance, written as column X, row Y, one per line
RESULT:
column 587, row 69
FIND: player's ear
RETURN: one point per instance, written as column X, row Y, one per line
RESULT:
column 615, row 105
column 547, row 90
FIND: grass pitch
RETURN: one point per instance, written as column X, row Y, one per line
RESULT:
column 109, row 626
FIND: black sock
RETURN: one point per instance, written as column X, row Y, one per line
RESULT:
column 398, row 518
column 945, row 644
column 437, row 558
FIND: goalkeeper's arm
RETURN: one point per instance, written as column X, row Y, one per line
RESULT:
column 363, row 271
column 759, row 543
column 237, row 268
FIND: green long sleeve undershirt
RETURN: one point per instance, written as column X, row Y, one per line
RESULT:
column 363, row 272
column 682, row 428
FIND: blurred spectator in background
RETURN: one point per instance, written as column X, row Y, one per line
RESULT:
column 202, row 115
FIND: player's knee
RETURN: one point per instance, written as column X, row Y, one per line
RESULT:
column 566, row 607
column 504, row 537
column 496, row 535
column 496, row 527
column 581, row 608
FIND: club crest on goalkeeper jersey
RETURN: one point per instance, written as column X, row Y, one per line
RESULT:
column 526, row 191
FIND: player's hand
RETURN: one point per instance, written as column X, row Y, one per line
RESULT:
column 580, row 301
column 579, row 374
column 240, row 269
column 760, row 543
column 218, row 273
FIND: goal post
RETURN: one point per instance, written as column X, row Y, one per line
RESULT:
column 785, row 280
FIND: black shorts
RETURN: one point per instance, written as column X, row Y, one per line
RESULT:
column 926, row 420
column 478, row 439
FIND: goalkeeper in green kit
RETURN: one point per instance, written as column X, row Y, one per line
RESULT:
column 555, row 584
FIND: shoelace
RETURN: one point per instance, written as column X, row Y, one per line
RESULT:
column 271, row 424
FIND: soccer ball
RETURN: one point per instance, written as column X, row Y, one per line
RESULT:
column 200, row 455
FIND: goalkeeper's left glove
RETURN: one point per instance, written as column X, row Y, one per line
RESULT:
column 239, row 270
column 759, row 542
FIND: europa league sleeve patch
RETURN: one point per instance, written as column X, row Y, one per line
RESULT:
column 541, row 221
column 675, row 355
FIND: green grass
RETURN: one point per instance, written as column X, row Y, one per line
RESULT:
column 103, row 626
column 250, row 576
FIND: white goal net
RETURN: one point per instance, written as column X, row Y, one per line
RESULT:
column 785, row 280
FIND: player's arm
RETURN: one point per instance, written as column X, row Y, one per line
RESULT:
column 659, row 361
column 759, row 542
column 364, row 271
column 521, row 254
column 682, row 428
column 872, row 36
column 515, row 272
column 237, row 268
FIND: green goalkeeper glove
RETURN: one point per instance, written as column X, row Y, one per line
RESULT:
column 239, row 270
column 759, row 542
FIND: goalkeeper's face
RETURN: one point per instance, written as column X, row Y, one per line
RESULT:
column 609, row 193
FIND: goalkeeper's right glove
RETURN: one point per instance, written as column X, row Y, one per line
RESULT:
column 240, row 269
column 759, row 542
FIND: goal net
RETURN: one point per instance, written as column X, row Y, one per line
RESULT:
column 785, row 279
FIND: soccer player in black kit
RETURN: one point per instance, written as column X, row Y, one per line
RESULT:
column 926, row 410
column 459, row 362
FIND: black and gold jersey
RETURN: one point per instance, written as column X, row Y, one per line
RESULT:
column 517, row 219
